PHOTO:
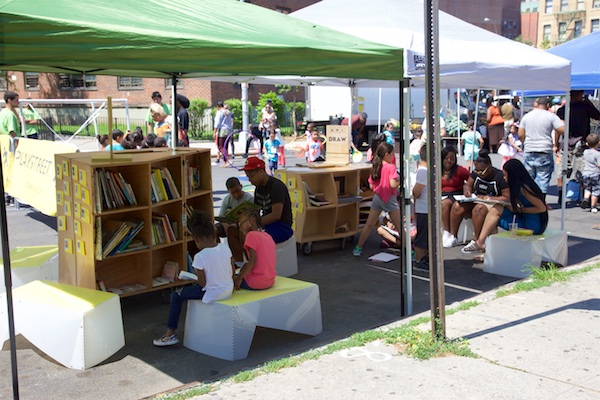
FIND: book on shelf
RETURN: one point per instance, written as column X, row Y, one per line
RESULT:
column 233, row 215
column 170, row 183
column 170, row 270
column 159, row 281
column 163, row 229
column 116, row 235
column 127, row 288
column 192, row 174
column 314, row 199
column 160, row 187
column 163, row 185
column 112, row 190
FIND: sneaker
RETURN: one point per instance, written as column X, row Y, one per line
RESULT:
column 218, row 162
column 450, row 242
column 357, row 251
column 422, row 265
column 594, row 210
column 166, row 341
column 585, row 203
column 471, row 248
column 445, row 236
column 245, row 155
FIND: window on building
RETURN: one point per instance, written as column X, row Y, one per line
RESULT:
column 3, row 81
column 548, row 6
column 72, row 81
column 547, row 31
column 32, row 81
column 581, row 4
column 562, row 30
column 595, row 25
column 577, row 29
column 168, row 83
column 564, row 5
column 596, row 4
column 130, row 82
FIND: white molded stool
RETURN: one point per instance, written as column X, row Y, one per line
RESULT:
column 465, row 231
column 31, row 263
column 287, row 258
column 77, row 327
column 511, row 255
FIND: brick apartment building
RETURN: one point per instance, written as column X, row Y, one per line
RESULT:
column 549, row 23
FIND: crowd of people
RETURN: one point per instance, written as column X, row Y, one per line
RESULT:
column 493, row 198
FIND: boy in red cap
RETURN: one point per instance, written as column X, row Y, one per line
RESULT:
column 274, row 200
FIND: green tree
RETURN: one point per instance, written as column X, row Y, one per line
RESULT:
column 196, row 113
column 545, row 44
column 283, row 89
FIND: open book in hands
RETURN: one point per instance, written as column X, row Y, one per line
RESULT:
column 474, row 199
column 233, row 215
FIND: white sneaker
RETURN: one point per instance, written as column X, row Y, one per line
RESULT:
column 450, row 242
column 166, row 341
column 445, row 236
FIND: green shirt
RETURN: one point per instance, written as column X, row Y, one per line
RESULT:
column 9, row 123
column 30, row 129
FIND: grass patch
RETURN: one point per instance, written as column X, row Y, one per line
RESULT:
column 407, row 338
column 542, row 277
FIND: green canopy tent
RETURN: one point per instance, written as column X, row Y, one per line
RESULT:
column 177, row 39
column 184, row 38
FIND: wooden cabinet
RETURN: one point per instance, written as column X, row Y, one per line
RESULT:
column 84, row 219
column 337, row 218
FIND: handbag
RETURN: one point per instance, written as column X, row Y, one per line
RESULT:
column 504, row 150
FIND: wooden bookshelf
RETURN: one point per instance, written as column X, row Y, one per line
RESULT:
column 82, row 213
column 338, row 220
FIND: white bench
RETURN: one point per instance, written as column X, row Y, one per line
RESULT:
column 287, row 258
column 224, row 329
column 511, row 255
column 77, row 327
column 31, row 263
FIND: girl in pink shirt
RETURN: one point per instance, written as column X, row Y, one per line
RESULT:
column 384, row 182
column 259, row 271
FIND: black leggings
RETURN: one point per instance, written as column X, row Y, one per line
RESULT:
column 249, row 140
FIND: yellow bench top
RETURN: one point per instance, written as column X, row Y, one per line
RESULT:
column 282, row 285
column 59, row 295
column 529, row 238
column 31, row 256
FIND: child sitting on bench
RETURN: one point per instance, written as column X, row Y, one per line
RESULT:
column 259, row 271
column 214, row 267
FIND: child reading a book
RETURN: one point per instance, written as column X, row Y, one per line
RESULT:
column 234, row 198
column 214, row 267
column 384, row 182
column 259, row 271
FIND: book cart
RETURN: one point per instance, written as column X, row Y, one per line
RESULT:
column 96, row 195
column 338, row 190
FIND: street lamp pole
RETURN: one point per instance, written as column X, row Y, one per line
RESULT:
column 488, row 20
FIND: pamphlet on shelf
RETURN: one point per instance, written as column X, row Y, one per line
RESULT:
column 159, row 281
column 169, row 271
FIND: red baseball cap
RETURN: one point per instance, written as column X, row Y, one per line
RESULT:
column 253, row 163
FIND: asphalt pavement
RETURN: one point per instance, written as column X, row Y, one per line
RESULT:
column 355, row 295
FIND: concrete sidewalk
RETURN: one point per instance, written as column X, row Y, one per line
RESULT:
column 542, row 344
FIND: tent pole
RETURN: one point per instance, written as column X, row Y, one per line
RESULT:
column 8, row 285
column 475, row 130
column 175, row 124
column 565, row 149
column 379, row 111
column 404, row 176
column 436, row 268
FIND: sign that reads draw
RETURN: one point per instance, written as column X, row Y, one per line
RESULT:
column 32, row 171
column 338, row 144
